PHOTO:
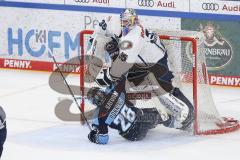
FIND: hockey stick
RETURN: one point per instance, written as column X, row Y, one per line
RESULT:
column 71, row 92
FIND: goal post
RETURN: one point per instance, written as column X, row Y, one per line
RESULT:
column 186, row 59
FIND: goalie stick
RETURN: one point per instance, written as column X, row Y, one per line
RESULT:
column 71, row 92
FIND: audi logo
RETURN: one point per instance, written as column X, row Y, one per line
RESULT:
column 210, row 6
column 82, row 1
column 146, row 3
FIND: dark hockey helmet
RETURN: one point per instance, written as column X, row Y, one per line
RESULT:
column 96, row 96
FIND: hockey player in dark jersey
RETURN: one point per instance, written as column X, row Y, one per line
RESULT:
column 3, row 129
column 115, row 111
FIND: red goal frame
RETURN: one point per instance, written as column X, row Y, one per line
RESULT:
column 229, row 124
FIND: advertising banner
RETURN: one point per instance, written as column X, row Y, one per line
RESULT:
column 29, row 39
column 98, row 3
column 215, row 7
column 38, row 1
column 221, row 46
column 233, row 81
column 225, row 7
column 166, row 5
column 38, row 35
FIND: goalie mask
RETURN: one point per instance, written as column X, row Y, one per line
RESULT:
column 128, row 19
column 96, row 96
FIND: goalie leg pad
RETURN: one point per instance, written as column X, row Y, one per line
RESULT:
column 180, row 109
column 190, row 117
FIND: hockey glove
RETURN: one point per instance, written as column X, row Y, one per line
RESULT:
column 103, row 78
column 103, row 24
column 112, row 48
column 97, row 138
column 153, row 37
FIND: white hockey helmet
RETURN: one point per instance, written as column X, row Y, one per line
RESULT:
column 128, row 19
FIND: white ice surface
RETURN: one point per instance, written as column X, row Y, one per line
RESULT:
column 35, row 133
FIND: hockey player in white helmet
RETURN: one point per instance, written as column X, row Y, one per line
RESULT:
column 129, row 19
column 141, row 55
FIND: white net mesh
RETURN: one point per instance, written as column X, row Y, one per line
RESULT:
column 181, row 63
column 180, row 48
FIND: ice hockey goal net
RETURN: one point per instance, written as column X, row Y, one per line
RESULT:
column 187, row 61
